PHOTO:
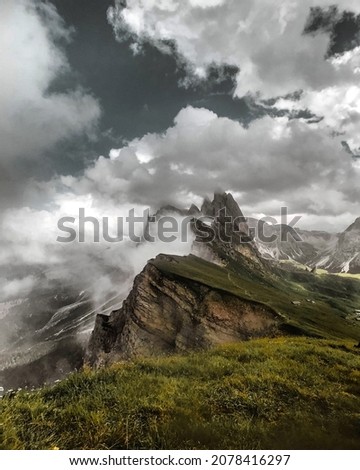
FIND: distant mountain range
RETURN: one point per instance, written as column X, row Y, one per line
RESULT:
column 337, row 253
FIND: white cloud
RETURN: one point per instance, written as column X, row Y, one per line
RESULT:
column 32, row 118
column 16, row 287
column 265, row 39
column 285, row 161
column 339, row 107
column 206, row 3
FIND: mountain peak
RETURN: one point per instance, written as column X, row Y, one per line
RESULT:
column 222, row 201
column 193, row 210
column 354, row 226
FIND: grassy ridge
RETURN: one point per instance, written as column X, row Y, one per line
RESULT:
column 335, row 297
column 282, row 393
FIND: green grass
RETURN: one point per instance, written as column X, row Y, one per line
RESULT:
column 284, row 393
column 335, row 297
column 349, row 275
column 303, row 267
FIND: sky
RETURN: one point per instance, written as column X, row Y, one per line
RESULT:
column 109, row 105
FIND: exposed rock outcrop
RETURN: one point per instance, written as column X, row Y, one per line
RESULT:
column 231, row 238
column 346, row 255
column 165, row 314
column 225, row 209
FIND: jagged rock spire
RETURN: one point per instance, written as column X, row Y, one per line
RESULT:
column 221, row 201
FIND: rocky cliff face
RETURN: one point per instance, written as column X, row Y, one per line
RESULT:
column 345, row 255
column 232, row 239
column 166, row 313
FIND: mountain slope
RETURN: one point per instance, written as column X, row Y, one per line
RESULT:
column 346, row 255
column 167, row 313
column 185, row 303
column 337, row 253
column 314, row 248
column 44, row 336
column 285, row 393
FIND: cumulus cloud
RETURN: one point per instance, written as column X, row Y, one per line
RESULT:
column 338, row 108
column 266, row 40
column 16, row 287
column 274, row 159
column 32, row 116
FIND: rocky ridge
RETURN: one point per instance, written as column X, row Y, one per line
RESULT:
column 166, row 314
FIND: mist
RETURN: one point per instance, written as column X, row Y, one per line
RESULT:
column 42, row 266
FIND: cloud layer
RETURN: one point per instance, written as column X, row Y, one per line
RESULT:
column 274, row 162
